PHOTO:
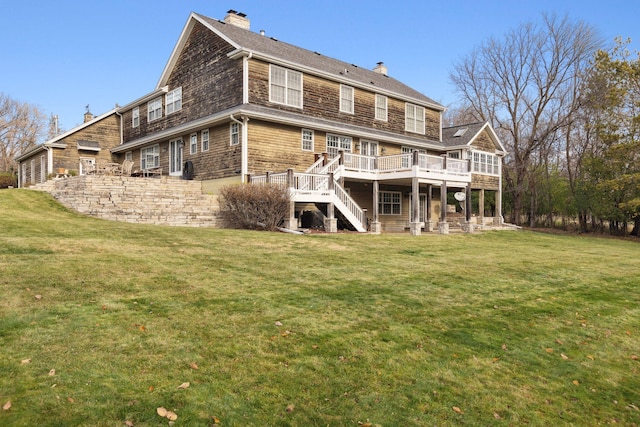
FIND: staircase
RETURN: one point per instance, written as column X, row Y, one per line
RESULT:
column 164, row 200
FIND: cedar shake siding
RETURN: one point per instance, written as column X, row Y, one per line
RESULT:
column 210, row 81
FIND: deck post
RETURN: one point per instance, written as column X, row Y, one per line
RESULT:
column 291, row 222
column 443, row 225
column 376, row 227
column 429, row 224
column 481, row 206
column 467, row 227
column 416, row 225
column 331, row 222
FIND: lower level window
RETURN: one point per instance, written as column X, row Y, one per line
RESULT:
column 389, row 203
column 150, row 157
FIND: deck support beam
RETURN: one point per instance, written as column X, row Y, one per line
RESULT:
column 376, row 226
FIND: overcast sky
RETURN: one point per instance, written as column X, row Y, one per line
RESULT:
column 63, row 55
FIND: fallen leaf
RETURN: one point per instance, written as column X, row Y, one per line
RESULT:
column 70, row 399
column 564, row 356
column 497, row 416
column 634, row 357
column 576, row 382
column 172, row 416
column 184, row 385
column 128, row 423
column 458, row 410
column 549, row 350
column 278, row 323
column 290, row 408
column 590, row 357
column 193, row 365
column 52, row 372
column 628, row 333
column 151, row 388
column 365, row 424
column 216, row 419
column 161, row 411
column 559, row 342
column 142, row 328
column 38, row 297
column 25, row 361
column 6, row 406
column 104, row 307
column 495, row 359
column 504, row 347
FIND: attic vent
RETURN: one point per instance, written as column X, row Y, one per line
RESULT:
column 460, row 132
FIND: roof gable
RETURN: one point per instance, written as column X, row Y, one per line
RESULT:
column 248, row 43
column 465, row 135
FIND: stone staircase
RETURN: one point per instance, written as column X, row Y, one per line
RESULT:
column 163, row 201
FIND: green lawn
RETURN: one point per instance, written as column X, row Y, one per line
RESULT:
column 101, row 322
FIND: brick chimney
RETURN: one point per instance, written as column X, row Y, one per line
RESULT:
column 238, row 19
column 87, row 115
column 380, row 68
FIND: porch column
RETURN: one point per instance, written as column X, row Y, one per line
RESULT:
column 291, row 222
column 331, row 222
column 481, row 206
column 429, row 225
column 376, row 226
column 498, row 219
column 415, row 226
column 443, row 225
column 467, row 227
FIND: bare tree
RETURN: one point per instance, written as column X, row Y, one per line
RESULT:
column 525, row 85
column 21, row 125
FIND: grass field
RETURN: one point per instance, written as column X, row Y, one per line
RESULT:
column 102, row 323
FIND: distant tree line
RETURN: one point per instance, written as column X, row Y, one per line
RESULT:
column 568, row 111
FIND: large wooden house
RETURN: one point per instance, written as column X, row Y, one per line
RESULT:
column 369, row 152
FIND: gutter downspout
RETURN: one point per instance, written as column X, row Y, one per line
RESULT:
column 244, row 161
column 245, row 78
column 121, row 126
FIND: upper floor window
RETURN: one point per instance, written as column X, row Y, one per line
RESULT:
column 381, row 107
column 135, row 117
column 307, row 140
column 453, row 154
column 154, row 109
column 204, row 137
column 337, row 143
column 193, row 146
column 285, row 86
column 173, row 100
column 346, row 99
column 485, row 163
column 234, row 133
column 414, row 118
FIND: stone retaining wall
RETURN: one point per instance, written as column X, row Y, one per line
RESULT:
column 164, row 201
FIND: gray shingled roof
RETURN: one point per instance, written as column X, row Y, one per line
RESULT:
column 268, row 46
column 449, row 140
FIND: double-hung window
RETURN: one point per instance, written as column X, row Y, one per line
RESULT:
column 381, row 107
column 154, row 109
column 337, row 143
column 193, row 146
column 173, row 100
column 389, row 203
column 346, row 99
column 135, row 117
column 150, row 157
column 234, row 134
column 307, row 140
column 204, row 137
column 414, row 118
column 285, row 86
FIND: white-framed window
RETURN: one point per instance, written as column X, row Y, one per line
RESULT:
column 485, row 163
column 234, row 133
column 381, row 107
column 128, row 155
column 204, row 139
column 285, row 86
column 193, row 146
column 336, row 143
column 135, row 117
column 414, row 118
column 390, row 203
column 453, row 154
column 346, row 99
column 307, row 140
column 173, row 100
column 150, row 157
column 154, row 109
column 43, row 169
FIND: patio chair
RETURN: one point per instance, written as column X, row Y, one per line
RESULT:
column 127, row 168
column 88, row 167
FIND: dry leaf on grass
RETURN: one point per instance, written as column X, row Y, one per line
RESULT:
column 193, row 365
column 576, row 382
column 128, row 423
column 6, row 406
column 25, row 361
column 496, row 416
column 172, row 416
column 290, row 408
column 548, row 350
column 634, row 357
column 38, row 297
column 161, row 411
column 70, row 399
column 184, row 385
column 52, row 372
column 564, row 356
column 458, row 410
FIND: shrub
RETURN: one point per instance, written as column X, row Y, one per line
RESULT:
column 254, row 206
column 7, row 180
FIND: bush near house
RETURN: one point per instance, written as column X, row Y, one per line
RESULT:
column 254, row 207
column 7, row 180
